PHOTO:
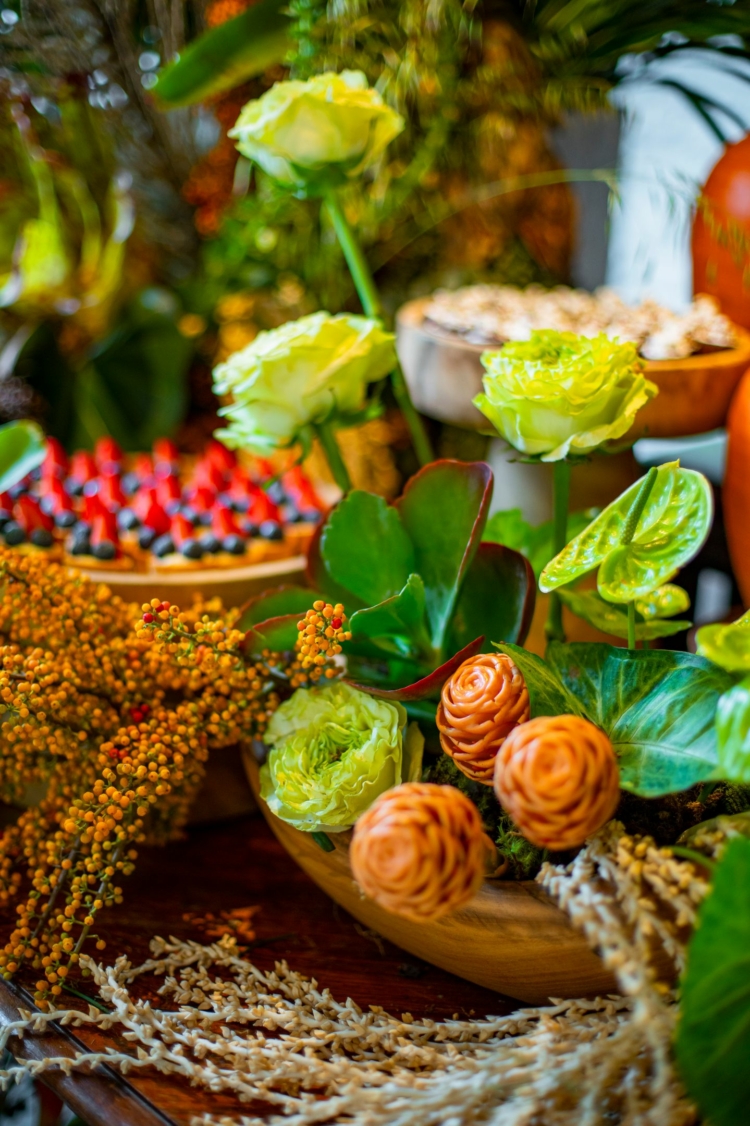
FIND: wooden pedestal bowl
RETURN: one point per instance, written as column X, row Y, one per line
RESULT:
column 511, row 937
column 234, row 585
column 444, row 373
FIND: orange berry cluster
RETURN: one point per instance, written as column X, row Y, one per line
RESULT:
column 115, row 720
column 321, row 633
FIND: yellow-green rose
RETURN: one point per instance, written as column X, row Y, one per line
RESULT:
column 320, row 131
column 333, row 751
column 558, row 393
column 303, row 372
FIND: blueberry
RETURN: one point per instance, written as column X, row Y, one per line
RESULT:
column 81, row 545
column 65, row 518
column 250, row 529
column 204, row 519
column 191, row 549
column 271, row 530
column 162, row 545
column 40, row 537
column 36, row 474
column 210, row 542
column 104, row 550
column 127, row 519
column 18, row 490
column 172, row 507
column 5, row 516
column 234, row 544
column 13, row 533
column 275, row 492
column 47, row 506
column 310, row 515
column 73, row 486
column 91, row 488
column 130, row 483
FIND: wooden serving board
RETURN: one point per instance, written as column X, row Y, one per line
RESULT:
column 510, row 938
column 444, row 373
column 234, row 585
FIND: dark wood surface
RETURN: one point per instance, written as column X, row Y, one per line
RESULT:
column 223, row 867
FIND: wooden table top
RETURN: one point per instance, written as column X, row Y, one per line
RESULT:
column 224, row 867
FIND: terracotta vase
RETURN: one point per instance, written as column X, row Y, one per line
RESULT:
column 721, row 234
column 736, row 489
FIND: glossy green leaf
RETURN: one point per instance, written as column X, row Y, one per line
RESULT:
column 726, row 645
column 733, row 732
column 275, row 602
column 496, row 599
column 278, row 634
column 657, row 707
column 425, row 689
column 547, row 693
column 365, row 548
column 22, row 448
column 664, row 602
column 612, row 617
column 671, row 528
column 319, row 578
column 398, row 625
column 713, row 1034
column 535, row 541
column 443, row 509
column 227, row 55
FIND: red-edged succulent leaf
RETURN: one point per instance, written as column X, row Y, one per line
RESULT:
column 365, row 547
column 444, row 509
column 272, row 603
column 428, row 685
column 277, row 634
column 496, row 599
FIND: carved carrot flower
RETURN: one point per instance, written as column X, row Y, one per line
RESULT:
column 557, row 777
column 479, row 706
column 420, row 850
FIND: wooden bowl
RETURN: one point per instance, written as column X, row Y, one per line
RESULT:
column 510, row 938
column 234, row 585
column 444, row 374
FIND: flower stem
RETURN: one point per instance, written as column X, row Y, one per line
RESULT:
column 554, row 627
column 694, row 857
column 372, row 306
column 631, row 624
column 330, row 446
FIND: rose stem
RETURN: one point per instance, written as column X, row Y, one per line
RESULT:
column 634, row 515
column 371, row 304
column 327, row 439
column 631, row 625
column 561, row 483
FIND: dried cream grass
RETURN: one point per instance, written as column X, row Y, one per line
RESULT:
column 276, row 1037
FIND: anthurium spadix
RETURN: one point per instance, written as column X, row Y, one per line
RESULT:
column 641, row 540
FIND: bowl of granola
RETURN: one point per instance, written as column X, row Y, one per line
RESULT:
column 696, row 358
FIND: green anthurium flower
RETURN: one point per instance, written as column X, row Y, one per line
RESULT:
column 642, row 539
column 650, row 612
column 558, row 394
column 333, row 751
column 728, row 646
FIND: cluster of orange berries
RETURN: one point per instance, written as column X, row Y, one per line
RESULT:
column 321, row 632
column 115, row 718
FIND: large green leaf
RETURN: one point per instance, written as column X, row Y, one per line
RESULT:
column 612, row 617
column 733, row 732
column 398, row 625
column 227, row 55
column 535, row 541
column 670, row 529
column 547, row 693
column 496, row 599
column 726, row 645
column 278, row 634
column 443, row 509
column 365, row 548
column 22, row 448
column 426, row 689
column 657, row 707
column 713, row 1035
column 319, row 578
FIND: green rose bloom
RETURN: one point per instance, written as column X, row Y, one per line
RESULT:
column 558, row 393
column 333, row 751
column 300, row 373
column 321, row 131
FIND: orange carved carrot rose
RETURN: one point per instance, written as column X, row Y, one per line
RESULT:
column 557, row 778
column 479, row 706
column 419, row 850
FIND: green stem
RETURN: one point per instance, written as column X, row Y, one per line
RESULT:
column 327, row 439
column 372, row 306
column 694, row 857
column 631, row 625
column 554, row 627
